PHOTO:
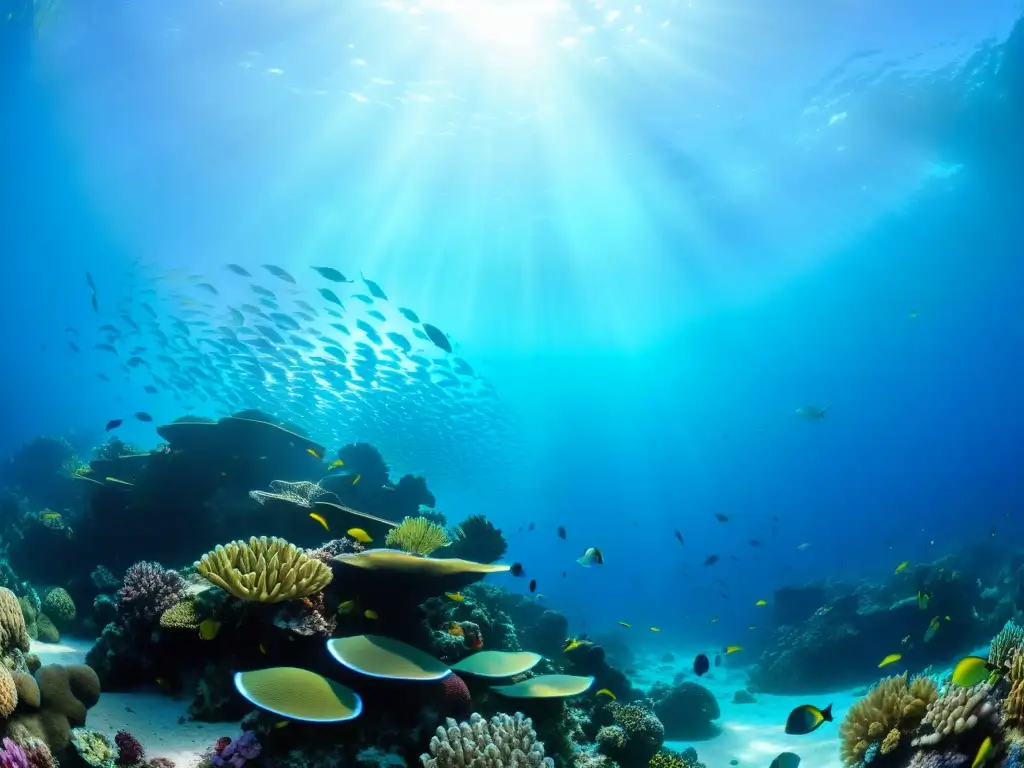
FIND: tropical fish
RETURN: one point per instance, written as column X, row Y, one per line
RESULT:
column 732, row 649
column 208, row 629
column 320, row 519
column 335, row 464
column 701, row 664
column 356, row 481
column 591, row 557
column 143, row 416
column 714, row 620
column 281, row 724
column 606, row 692
column 901, row 568
column 113, row 424
column 437, row 336
column 561, row 532
column 971, row 670
column 409, row 315
column 625, row 624
column 751, row 627
column 375, row 290
column 655, row 629
column 517, row 569
column 533, row 585
column 679, row 536
column 572, row 644
column 263, row 649
column 812, row 412
column 370, row 614
column 332, row 274
column 347, row 607
column 761, row 603
column 711, row 560
column 314, row 453
column 456, row 596
column 933, row 627
column 786, row 760
column 721, row 518
column 49, row 514
column 359, row 535
column 983, row 752
column 807, row 718
column 279, row 273
column 240, row 271
column 892, row 658
column 922, row 600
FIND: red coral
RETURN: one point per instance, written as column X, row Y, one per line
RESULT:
column 455, row 695
column 129, row 749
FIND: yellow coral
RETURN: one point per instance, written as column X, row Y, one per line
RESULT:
column 892, row 704
column 417, row 535
column 890, row 742
column 181, row 616
column 264, row 570
column 8, row 693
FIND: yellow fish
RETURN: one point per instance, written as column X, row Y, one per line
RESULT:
column 760, row 603
column 208, row 629
column 320, row 519
column 901, row 567
column 359, row 535
column 336, row 464
column 714, row 620
column 971, row 670
column 347, row 607
column 572, row 644
column 49, row 515
column 356, row 481
column 456, row 596
column 751, row 627
column 732, row 649
column 892, row 658
column 281, row 723
column 625, row 624
column 655, row 629
column 314, row 453
column 370, row 614
column 983, row 752
column 933, row 627
column 263, row 649
column 922, row 600
column 606, row 692
column 120, row 482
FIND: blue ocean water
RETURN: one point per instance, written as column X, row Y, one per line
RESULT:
column 657, row 229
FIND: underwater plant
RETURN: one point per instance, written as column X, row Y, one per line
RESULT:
column 417, row 535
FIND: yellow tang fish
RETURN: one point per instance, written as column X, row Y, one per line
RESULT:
column 606, row 692
column 359, row 535
column 655, row 629
column 625, row 624
column 208, row 629
column 892, row 658
column 971, row 670
column 335, row 464
column 760, row 603
column 314, row 453
column 901, row 567
column 732, row 649
column 356, row 481
column 320, row 519
column 983, row 752
column 370, row 614
column 347, row 607
column 456, row 596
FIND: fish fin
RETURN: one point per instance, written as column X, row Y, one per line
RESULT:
column 826, row 713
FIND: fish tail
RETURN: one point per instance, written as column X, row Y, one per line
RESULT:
column 827, row 713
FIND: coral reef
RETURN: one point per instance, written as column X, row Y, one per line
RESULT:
column 476, row 538
column 264, row 570
column 686, row 710
column 417, row 535
column 505, row 741
column 892, row 709
column 148, row 590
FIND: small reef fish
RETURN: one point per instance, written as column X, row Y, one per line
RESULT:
column 320, row 519
column 113, row 424
column 812, row 412
column 901, row 568
column 807, row 718
column 606, row 692
column 922, row 600
column 761, row 603
column 143, row 416
column 732, row 649
column 281, row 724
column 356, row 481
column 679, row 537
column 49, row 514
column 983, row 752
column 347, row 607
column 625, row 624
column 263, row 649
column 786, row 760
column 208, row 629
column 751, row 627
column 572, row 644
column 370, row 614
column 711, row 560
column 561, row 532
column 714, row 620
column 933, row 627
column 332, row 274
column 892, row 658
column 314, row 453
column 456, row 596
column 533, row 585
column 701, row 664
column 591, row 557
column 972, row 670
column 721, row 518
column 359, row 535
column 655, row 629
column 335, row 464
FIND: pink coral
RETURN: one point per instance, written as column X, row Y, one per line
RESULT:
column 149, row 589
column 455, row 694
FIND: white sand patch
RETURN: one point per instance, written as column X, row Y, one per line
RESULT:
column 152, row 718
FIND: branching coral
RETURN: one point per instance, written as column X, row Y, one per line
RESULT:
column 417, row 535
column 264, row 570
column 891, row 704
column 149, row 589
column 506, row 741
column 1006, row 643
column 958, row 710
column 667, row 758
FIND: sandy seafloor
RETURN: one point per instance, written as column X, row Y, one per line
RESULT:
column 751, row 734
column 152, row 718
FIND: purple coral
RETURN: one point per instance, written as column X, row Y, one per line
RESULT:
column 129, row 749
column 149, row 589
column 13, row 756
column 236, row 753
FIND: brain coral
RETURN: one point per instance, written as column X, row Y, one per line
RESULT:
column 891, row 704
column 686, row 710
column 58, row 605
column 12, row 624
column 8, row 693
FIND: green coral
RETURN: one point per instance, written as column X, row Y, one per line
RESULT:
column 94, row 748
column 668, row 758
column 58, row 605
column 1004, row 644
column 28, row 612
column 180, row 616
column 48, row 632
column 417, row 535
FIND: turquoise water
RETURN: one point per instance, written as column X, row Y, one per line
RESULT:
column 653, row 232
